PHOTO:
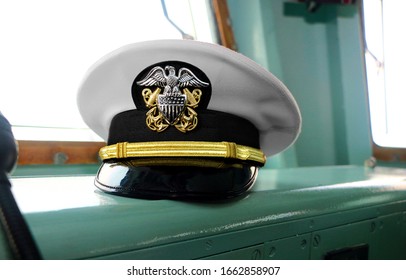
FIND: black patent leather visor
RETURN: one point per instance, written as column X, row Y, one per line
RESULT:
column 167, row 178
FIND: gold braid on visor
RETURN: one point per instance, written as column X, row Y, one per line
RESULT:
column 182, row 149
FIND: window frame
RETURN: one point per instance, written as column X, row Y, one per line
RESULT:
column 385, row 155
column 389, row 155
column 83, row 152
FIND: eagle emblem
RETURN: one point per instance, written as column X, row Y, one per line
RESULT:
column 171, row 98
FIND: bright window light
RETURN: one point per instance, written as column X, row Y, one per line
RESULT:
column 385, row 63
column 47, row 47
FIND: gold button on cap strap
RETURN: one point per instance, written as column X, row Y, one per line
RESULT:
column 182, row 149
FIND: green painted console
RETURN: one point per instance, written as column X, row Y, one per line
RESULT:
column 340, row 212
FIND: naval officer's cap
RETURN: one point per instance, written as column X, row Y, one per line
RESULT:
column 184, row 119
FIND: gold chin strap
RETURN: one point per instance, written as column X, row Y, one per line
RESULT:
column 182, row 149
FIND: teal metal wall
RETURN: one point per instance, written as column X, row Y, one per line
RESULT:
column 291, row 213
column 55, row 170
column 319, row 57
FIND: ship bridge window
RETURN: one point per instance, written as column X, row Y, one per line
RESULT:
column 47, row 47
column 385, row 58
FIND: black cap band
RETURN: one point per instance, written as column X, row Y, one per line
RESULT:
column 213, row 126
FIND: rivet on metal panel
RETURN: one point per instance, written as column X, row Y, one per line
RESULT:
column 316, row 240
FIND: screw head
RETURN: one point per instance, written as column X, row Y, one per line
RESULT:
column 303, row 243
column 256, row 255
column 272, row 251
column 316, row 240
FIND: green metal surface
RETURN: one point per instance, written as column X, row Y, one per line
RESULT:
column 71, row 219
column 386, row 233
column 55, row 170
column 319, row 57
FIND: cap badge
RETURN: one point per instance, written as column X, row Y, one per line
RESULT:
column 175, row 105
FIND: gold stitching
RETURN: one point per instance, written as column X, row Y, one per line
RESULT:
column 182, row 149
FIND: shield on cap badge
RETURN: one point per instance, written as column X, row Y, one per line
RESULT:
column 171, row 104
column 174, row 106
